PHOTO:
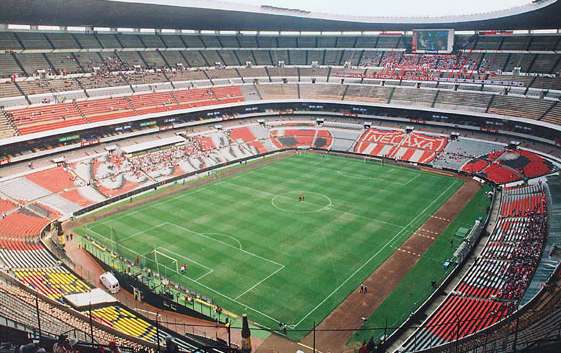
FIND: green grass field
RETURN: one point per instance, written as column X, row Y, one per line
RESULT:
column 416, row 286
column 253, row 247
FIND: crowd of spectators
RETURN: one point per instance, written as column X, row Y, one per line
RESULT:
column 524, row 258
column 424, row 67
column 167, row 158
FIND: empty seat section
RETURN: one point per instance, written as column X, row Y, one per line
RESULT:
column 89, row 60
column 33, row 62
column 262, row 57
column 371, row 58
column 8, row 66
column 222, row 73
column 523, row 61
column 151, row 40
column 297, row 57
column 230, row 41
column 195, row 59
column 543, row 42
column 212, row 57
column 87, row 40
column 345, row 42
column 287, row 42
column 174, row 58
column 129, row 40
column 64, row 62
column 544, row 63
column 62, row 40
column 8, row 41
column 247, row 41
column 488, row 43
column 229, row 58
column 172, row 41
column 515, row 43
column 130, row 58
column 316, row 56
column 327, row 42
column 368, row 93
column 351, row 56
column 8, row 89
column 32, row 40
column 462, row 101
column 307, row 42
column 153, row 59
column 521, row 107
column 407, row 96
column 108, row 41
column 210, row 41
column 366, row 42
column 388, row 42
column 280, row 56
column 193, row 41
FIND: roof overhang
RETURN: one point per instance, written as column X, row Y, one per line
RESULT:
column 212, row 15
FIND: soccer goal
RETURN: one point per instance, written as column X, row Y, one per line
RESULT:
column 162, row 263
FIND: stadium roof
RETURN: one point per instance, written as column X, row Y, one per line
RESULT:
column 213, row 15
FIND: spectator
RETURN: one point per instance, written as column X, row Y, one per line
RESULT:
column 113, row 348
column 59, row 345
column 171, row 346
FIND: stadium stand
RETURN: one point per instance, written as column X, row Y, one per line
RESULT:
column 21, row 224
column 461, row 151
column 494, row 284
column 96, row 84
column 21, row 307
column 43, row 118
column 411, row 147
column 505, row 166
column 301, row 138
column 125, row 321
column 55, row 282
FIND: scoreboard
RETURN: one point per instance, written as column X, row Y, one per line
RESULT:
column 433, row 41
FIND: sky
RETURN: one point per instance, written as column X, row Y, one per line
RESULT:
column 392, row 7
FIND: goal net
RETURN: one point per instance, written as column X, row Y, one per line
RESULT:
column 162, row 263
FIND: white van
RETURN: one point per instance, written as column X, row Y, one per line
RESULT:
column 110, row 282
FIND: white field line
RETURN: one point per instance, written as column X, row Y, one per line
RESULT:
column 271, row 194
column 376, row 178
column 226, row 244
column 184, row 257
column 204, row 275
column 373, row 256
column 252, row 254
column 281, row 266
column 259, row 283
column 140, row 232
column 121, row 246
column 412, row 180
column 217, row 292
column 153, row 203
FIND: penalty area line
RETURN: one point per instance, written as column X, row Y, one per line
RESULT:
column 388, row 243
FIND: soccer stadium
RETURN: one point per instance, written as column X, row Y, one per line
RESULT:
column 252, row 176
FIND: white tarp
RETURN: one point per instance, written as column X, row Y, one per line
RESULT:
column 94, row 297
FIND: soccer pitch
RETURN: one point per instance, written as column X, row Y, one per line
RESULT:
column 255, row 248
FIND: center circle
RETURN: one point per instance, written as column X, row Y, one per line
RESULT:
column 301, row 202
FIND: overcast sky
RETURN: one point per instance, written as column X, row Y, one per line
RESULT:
column 392, row 7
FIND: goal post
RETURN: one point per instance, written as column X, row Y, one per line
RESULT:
column 162, row 263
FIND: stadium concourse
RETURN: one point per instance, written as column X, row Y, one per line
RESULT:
column 95, row 121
